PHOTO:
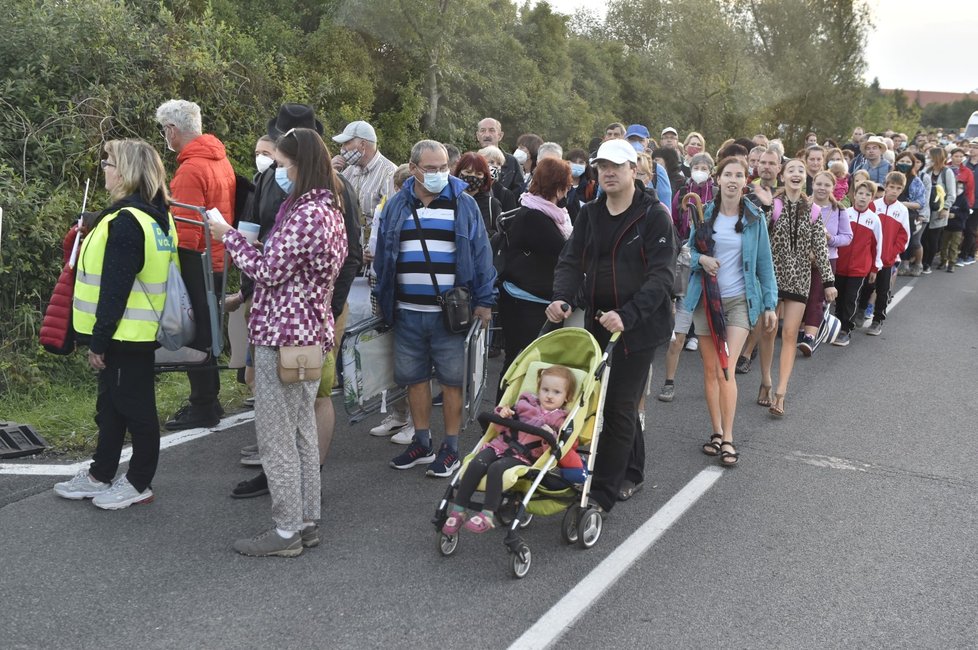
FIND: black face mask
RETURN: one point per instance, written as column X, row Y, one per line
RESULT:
column 475, row 183
column 904, row 167
column 562, row 203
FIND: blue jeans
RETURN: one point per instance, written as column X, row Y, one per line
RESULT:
column 420, row 342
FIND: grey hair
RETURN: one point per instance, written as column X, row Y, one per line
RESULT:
column 183, row 115
column 493, row 153
column 550, row 149
column 423, row 146
column 776, row 146
column 759, row 149
column 702, row 158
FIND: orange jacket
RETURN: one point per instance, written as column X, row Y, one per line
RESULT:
column 204, row 177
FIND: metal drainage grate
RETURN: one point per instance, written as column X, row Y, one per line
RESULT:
column 19, row 440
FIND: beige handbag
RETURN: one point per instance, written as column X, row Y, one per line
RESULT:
column 300, row 363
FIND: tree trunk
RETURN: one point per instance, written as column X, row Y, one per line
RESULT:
column 433, row 97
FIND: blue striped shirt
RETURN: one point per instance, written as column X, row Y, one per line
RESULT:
column 414, row 288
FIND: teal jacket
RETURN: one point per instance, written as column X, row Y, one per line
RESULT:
column 762, row 288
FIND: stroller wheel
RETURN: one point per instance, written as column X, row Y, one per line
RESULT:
column 589, row 528
column 447, row 544
column 521, row 561
column 568, row 527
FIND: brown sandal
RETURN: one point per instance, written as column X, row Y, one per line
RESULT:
column 712, row 448
column 729, row 458
column 777, row 406
column 764, row 395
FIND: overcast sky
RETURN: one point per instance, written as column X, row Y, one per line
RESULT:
column 947, row 26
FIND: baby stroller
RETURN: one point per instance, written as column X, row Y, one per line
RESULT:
column 539, row 489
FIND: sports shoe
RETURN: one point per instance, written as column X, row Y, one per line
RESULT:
column 807, row 345
column 249, row 450
column 743, row 365
column 875, row 329
column 692, row 344
column 904, row 268
column 916, row 270
column 869, row 311
column 310, row 536
column 404, row 436
column 842, row 340
column 438, row 400
column 389, row 425
column 445, row 463
column 253, row 487
column 251, row 461
column 82, row 486
column 925, row 270
column 270, row 543
column 968, row 261
column 122, row 495
column 959, row 262
column 190, row 417
column 667, row 393
column 949, row 268
column 415, row 454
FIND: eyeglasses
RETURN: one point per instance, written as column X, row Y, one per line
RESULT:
column 434, row 170
column 106, row 163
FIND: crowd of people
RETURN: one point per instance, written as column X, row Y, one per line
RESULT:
column 655, row 239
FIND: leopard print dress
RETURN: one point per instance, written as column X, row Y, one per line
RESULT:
column 798, row 242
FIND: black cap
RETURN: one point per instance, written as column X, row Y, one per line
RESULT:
column 293, row 116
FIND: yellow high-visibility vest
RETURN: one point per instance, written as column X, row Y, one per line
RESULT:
column 147, row 296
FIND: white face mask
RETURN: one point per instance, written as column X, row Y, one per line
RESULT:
column 521, row 156
column 699, row 176
column 263, row 162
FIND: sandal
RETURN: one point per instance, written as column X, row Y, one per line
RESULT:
column 455, row 520
column 480, row 523
column 777, row 406
column 728, row 458
column 764, row 395
column 712, row 448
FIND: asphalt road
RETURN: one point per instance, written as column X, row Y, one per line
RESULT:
column 849, row 523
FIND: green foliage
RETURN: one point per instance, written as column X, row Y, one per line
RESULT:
column 952, row 117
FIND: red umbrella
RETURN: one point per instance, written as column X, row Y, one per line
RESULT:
column 711, row 288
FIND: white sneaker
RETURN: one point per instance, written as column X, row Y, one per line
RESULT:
column 404, row 436
column 692, row 344
column 391, row 424
column 122, row 495
column 82, row 486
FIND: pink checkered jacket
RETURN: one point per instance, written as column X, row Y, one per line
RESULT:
column 294, row 273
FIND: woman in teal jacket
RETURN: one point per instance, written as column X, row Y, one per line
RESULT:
column 744, row 270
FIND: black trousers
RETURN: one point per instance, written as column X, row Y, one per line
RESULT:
column 621, row 447
column 127, row 402
column 521, row 321
column 845, row 302
column 882, row 288
column 205, row 383
column 931, row 241
column 487, row 464
column 970, row 230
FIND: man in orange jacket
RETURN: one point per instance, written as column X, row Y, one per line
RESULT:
column 204, row 177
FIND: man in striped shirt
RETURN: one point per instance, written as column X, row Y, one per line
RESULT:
column 368, row 172
column 434, row 207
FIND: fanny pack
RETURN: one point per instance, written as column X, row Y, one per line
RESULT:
column 456, row 303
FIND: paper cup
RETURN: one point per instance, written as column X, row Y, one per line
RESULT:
column 249, row 230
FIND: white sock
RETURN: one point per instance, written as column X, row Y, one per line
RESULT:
column 307, row 524
column 284, row 534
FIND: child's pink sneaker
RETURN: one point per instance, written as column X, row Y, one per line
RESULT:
column 480, row 523
column 455, row 520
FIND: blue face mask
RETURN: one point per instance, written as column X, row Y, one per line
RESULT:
column 282, row 178
column 435, row 182
column 577, row 170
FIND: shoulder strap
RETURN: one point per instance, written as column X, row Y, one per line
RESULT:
column 778, row 206
column 424, row 248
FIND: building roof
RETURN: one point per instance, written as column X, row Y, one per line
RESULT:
column 925, row 97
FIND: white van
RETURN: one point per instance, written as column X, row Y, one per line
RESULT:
column 971, row 131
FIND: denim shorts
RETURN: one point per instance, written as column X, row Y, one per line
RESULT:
column 734, row 311
column 420, row 342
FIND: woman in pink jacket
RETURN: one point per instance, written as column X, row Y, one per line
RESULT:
column 294, row 274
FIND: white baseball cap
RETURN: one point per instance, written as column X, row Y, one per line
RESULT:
column 617, row 151
column 358, row 129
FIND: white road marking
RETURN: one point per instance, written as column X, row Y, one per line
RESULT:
column 172, row 440
column 828, row 462
column 551, row 626
column 898, row 296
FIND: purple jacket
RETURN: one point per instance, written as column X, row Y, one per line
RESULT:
column 680, row 218
column 837, row 223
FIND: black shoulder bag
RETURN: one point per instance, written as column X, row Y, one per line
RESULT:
column 456, row 303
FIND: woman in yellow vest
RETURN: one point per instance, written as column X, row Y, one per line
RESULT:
column 120, row 288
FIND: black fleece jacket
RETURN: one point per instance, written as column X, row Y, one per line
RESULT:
column 124, row 258
column 643, row 266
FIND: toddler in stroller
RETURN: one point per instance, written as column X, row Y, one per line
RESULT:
column 556, row 385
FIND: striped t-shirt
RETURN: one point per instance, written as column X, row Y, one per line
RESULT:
column 414, row 289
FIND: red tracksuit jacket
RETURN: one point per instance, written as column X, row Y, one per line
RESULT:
column 865, row 252
column 895, row 219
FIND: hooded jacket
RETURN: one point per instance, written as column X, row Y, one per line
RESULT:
column 204, row 177
column 643, row 268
